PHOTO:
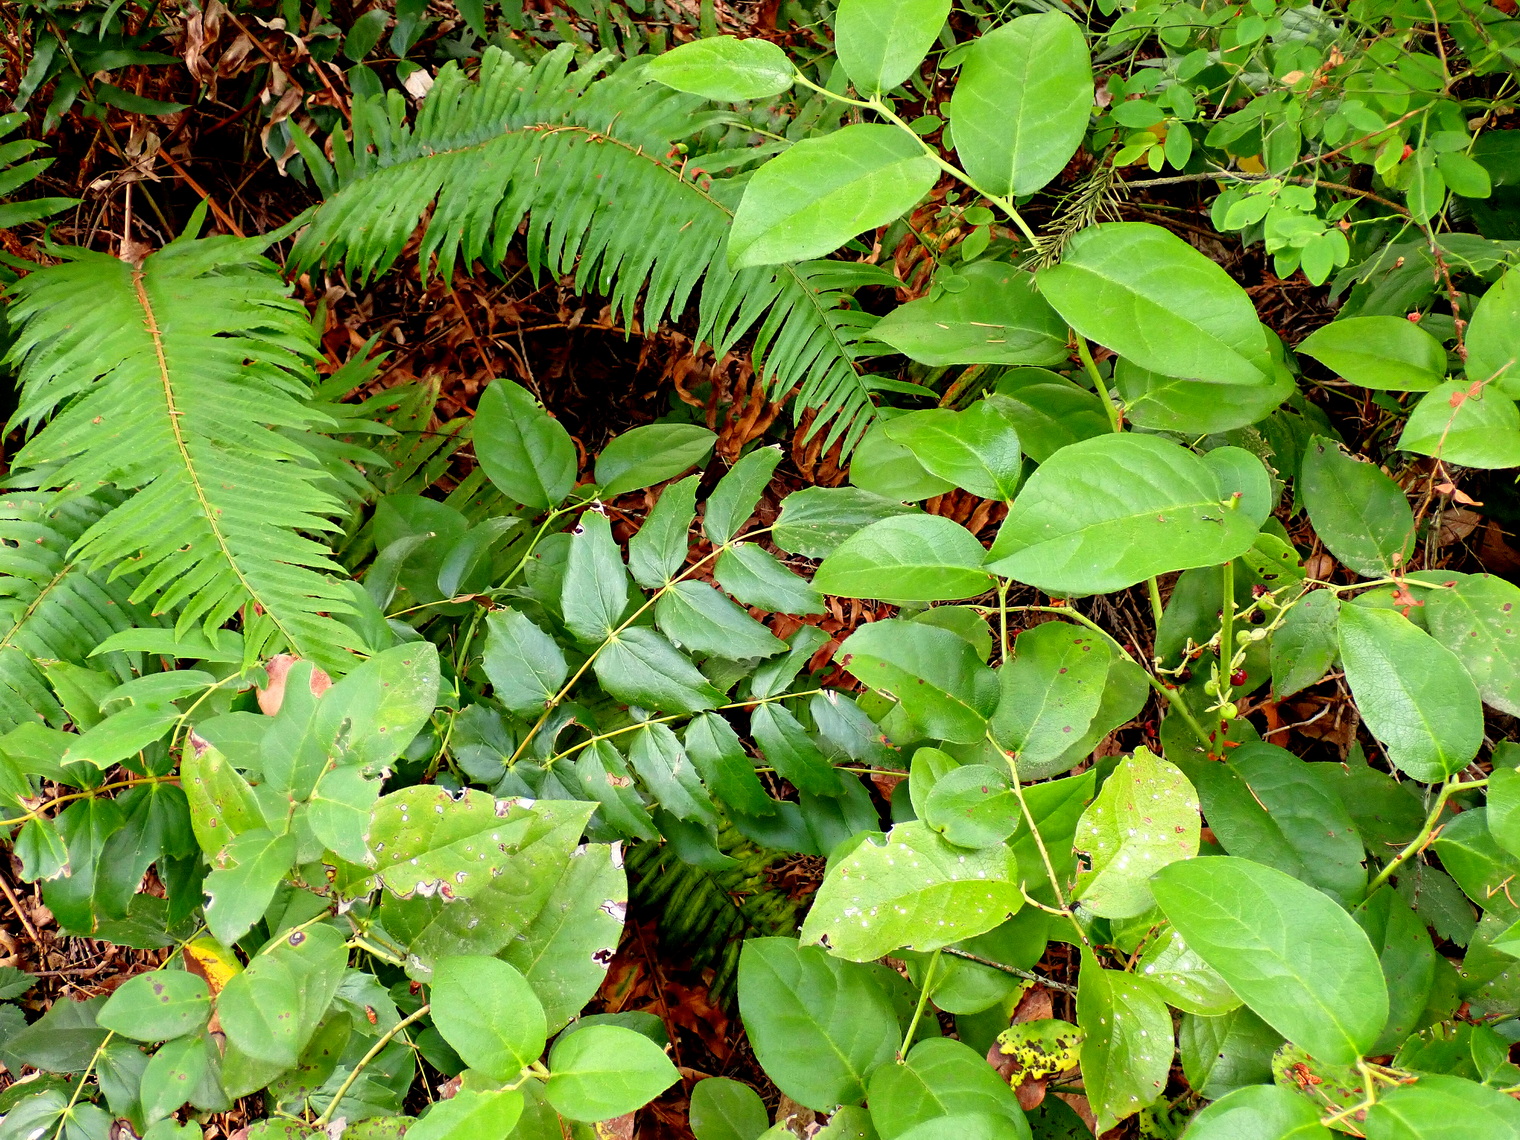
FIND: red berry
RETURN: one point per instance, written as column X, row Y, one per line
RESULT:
column 1238, row 677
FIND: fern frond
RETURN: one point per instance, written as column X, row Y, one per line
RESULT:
column 51, row 607
column 581, row 161
column 185, row 381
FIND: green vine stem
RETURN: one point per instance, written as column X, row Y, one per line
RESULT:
column 923, row 1000
column 1450, row 788
column 374, row 1051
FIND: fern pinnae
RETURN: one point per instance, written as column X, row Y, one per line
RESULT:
column 185, row 381
column 581, row 161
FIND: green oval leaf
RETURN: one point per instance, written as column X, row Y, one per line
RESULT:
column 157, row 1006
column 1493, row 336
column 725, row 69
column 1479, row 620
column 1108, row 512
column 976, row 449
column 882, row 42
column 489, row 1014
column 998, row 318
column 915, row 891
column 1127, row 1050
column 603, row 1071
column 724, row 1109
column 1154, row 299
column 1357, row 511
column 1022, row 102
column 1443, row 1108
column 1387, row 353
column 811, row 199
column 1296, row 958
column 523, row 450
column 1260, row 1112
column 937, row 676
column 1462, row 422
column 1412, row 692
column 650, row 454
column 910, row 558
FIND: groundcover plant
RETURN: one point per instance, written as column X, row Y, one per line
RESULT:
column 1134, row 688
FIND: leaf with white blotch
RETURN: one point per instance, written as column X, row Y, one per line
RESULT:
column 564, row 952
column 432, row 927
column 915, row 891
column 1184, row 978
column 425, row 840
column 1127, row 1051
column 1145, row 816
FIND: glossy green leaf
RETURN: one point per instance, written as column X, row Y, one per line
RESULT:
column 1479, row 621
column 659, row 548
column 657, row 756
column 1184, row 979
column 699, row 619
column 735, row 497
column 1443, row 1108
column 789, row 749
column 1127, row 1049
column 1108, row 512
column 1493, row 336
column 605, row 777
column 1225, row 1053
column 937, row 676
column 914, row 891
column 818, row 194
column 1261, row 1112
column 525, row 666
column 1265, row 804
column 470, row 1113
column 998, row 318
column 882, row 42
column 1051, row 691
column 1388, row 353
column 972, row 806
column 523, row 450
column 1503, row 808
column 639, row 667
column 725, row 68
column 1296, row 958
column 911, row 558
column 719, row 756
column 644, row 456
column 1357, row 511
column 977, row 449
column 243, row 879
column 1196, row 407
column 724, row 1109
column 886, row 468
column 939, row 1077
column 1145, row 817
column 818, row 1024
column 1464, row 423
column 1412, row 692
column 1408, row 958
column 1048, row 411
column 157, row 1006
column 489, row 1013
column 1022, row 102
column 603, row 1071
column 595, row 592
column 1154, row 299
column 965, row 1126
column 815, row 520
column 754, row 576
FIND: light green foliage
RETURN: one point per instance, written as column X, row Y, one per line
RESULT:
column 1144, row 818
